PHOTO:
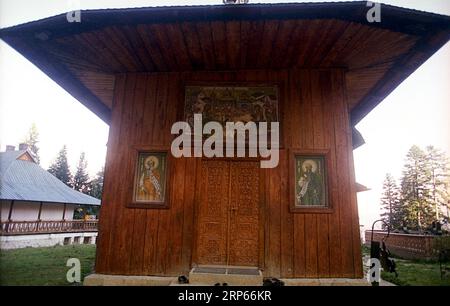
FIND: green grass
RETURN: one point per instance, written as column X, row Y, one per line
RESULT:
column 47, row 267
column 417, row 273
column 43, row 266
column 414, row 272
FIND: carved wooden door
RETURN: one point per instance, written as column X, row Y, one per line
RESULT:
column 244, row 214
column 228, row 213
column 213, row 213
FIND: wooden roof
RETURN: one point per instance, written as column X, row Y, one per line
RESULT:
column 84, row 57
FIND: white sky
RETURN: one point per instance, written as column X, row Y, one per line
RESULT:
column 417, row 112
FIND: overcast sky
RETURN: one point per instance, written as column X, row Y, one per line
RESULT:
column 417, row 112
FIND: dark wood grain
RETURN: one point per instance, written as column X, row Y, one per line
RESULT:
column 162, row 242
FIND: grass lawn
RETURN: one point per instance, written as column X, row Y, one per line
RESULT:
column 47, row 266
column 43, row 266
column 415, row 272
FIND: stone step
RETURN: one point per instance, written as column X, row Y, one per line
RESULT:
column 231, row 275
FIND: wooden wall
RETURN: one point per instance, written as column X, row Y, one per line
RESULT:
column 314, row 115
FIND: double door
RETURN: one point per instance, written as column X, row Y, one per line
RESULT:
column 228, row 229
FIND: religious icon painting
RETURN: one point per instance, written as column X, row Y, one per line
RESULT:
column 232, row 103
column 309, row 187
column 150, row 181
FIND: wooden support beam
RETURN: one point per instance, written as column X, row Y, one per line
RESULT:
column 10, row 210
column 40, row 211
column 64, row 212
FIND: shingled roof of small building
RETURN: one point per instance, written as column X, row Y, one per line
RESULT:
column 22, row 179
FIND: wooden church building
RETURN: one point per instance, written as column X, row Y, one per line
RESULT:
column 316, row 68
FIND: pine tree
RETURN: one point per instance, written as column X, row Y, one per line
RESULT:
column 415, row 192
column 392, row 213
column 32, row 139
column 81, row 178
column 60, row 167
column 97, row 185
column 438, row 171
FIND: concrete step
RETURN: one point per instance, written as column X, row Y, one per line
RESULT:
column 231, row 275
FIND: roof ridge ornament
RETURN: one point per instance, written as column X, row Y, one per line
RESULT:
column 235, row 1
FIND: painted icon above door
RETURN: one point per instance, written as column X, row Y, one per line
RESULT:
column 231, row 103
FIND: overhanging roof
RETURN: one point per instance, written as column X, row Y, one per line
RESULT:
column 24, row 180
column 84, row 57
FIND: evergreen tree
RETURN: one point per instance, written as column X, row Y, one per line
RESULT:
column 438, row 171
column 60, row 167
column 81, row 178
column 415, row 192
column 32, row 139
column 392, row 213
column 97, row 185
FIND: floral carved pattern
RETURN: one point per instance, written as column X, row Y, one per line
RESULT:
column 244, row 218
column 228, row 216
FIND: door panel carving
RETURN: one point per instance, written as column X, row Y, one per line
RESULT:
column 244, row 214
column 228, row 216
column 213, row 214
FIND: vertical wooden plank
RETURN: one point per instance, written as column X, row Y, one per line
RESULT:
column 163, row 111
column 294, row 105
column 188, row 213
column 107, row 212
column 299, row 246
column 357, row 259
column 334, row 218
column 311, row 246
column 152, row 221
column 121, row 230
column 308, row 143
column 290, row 101
column 274, row 246
column 262, row 218
column 320, row 83
column 175, row 95
column 160, row 109
column 175, row 230
column 287, row 220
column 342, row 164
column 175, row 245
column 301, row 79
column 139, row 222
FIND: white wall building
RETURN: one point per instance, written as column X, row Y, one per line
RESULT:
column 36, row 208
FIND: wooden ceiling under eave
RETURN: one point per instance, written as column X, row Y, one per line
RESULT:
column 377, row 58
